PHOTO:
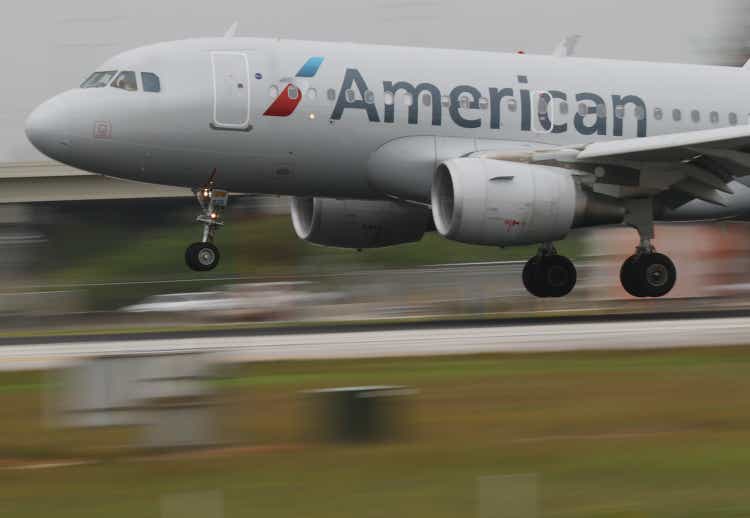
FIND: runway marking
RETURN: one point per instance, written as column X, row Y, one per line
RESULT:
column 651, row 334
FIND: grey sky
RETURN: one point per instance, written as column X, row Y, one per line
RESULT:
column 47, row 46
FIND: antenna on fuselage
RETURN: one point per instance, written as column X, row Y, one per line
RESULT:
column 232, row 30
column 567, row 46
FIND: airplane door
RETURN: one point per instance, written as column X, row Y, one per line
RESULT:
column 231, row 95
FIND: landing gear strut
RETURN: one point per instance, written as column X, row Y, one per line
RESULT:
column 204, row 255
column 647, row 273
column 549, row 275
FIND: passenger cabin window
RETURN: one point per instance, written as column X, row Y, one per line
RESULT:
column 733, row 119
column 543, row 104
column 369, row 97
column 564, row 108
column 126, row 81
column 350, row 96
column 151, row 82
column 658, row 114
column 312, row 94
column 640, row 113
column 620, row 112
column 445, row 101
column 512, row 105
column 714, row 117
column 331, row 94
column 388, row 98
column 695, row 115
column 99, row 79
column 427, row 100
column 677, row 115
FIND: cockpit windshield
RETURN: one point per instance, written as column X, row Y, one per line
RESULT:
column 126, row 81
column 99, row 79
column 151, row 82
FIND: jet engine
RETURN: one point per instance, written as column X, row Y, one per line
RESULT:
column 501, row 203
column 358, row 224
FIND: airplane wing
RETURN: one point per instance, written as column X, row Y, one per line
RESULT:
column 677, row 168
column 670, row 147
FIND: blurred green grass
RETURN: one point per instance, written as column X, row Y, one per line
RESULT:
column 609, row 434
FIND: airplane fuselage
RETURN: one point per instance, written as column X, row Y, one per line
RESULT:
column 250, row 110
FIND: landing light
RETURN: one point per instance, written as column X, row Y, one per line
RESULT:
column 312, row 116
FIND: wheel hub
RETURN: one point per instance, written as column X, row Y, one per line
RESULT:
column 206, row 257
column 657, row 275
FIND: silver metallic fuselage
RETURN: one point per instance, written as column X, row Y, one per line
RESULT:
column 171, row 137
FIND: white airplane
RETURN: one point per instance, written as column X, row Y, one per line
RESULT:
column 378, row 145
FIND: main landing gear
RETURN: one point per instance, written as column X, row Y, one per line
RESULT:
column 549, row 275
column 204, row 255
column 647, row 273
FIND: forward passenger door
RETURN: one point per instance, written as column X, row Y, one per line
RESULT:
column 231, row 91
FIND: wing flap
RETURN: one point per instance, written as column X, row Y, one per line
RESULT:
column 737, row 158
column 708, row 179
column 700, row 191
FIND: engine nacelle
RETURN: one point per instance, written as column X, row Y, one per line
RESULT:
column 358, row 224
column 498, row 203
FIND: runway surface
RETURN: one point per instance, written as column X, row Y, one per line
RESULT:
column 449, row 340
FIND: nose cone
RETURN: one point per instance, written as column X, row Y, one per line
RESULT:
column 47, row 128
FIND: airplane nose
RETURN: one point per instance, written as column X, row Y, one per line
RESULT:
column 47, row 128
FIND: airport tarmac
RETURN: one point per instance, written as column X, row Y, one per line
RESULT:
column 398, row 341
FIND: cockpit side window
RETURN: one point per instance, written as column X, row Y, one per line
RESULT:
column 151, row 82
column 99, row 79
column 126, row 81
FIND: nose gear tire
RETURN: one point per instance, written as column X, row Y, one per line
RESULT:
column 202, row 257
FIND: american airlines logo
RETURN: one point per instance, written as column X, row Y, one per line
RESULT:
column 464, row 102
column 290, row 97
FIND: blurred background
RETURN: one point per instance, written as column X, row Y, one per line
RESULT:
column 587, row 434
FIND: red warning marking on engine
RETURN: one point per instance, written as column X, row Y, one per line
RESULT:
column 510, row 224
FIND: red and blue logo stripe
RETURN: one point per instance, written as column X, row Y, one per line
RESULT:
column 288, row 100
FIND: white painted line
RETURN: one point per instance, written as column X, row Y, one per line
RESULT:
column 654, row 334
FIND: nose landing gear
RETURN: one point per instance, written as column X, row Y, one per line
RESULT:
column 204, row 255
